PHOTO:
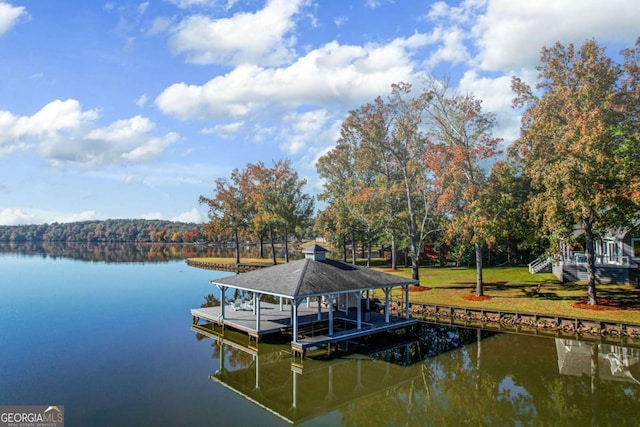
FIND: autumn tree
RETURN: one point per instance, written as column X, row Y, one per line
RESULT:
column 459, row 136
column 229, row 210
column 374, row 175
column 278, row 202
column 338, row 169
column 512, row 229
column 579, row 143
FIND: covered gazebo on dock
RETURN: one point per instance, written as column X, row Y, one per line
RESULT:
column 328, row 301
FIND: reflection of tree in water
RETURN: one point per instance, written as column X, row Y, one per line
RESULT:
column 235, row 358
column 210, row 301
column 122, row 252
column 105, row 252
column 513, row 380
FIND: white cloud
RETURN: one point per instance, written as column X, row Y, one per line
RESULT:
column 192, row 215
column 339, row 21
column 187, row 4
column 159, row 25
column 142, row 7
column 374, row 4
column 263, row 37
column 19, row 216
column 9, row 16
column 496, row 96
column 133, row 179
column 16, row 216
column 16, row 132
column 452, row 48
column 301, row 128
column 225, row 131
column 333, row 74
column 142, row 101
column 123, row 141
column 75, row 217
column 510, row 34
column 66, row 134
column 151, row 215
column 464, row 13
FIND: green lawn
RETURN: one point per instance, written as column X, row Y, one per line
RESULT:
column 515, row 289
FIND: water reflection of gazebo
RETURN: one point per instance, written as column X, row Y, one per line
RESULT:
column 298, row 393
column 328, row 301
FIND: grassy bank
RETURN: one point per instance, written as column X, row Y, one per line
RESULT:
column 243, row 260
column 515, row 289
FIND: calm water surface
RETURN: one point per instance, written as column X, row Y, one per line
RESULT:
column 112, row 342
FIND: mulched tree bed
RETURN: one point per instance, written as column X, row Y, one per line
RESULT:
column 476, row 298
column 602, row 304
column 413, row 288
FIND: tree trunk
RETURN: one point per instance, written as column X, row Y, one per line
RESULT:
column 286, row 245
column 591, row 277
column 353, row 249
column 260, row 250
column 394, row 250
column 479, row 290
column 344, row 248
column 368, row 252
column 415, row 272
column 273, row 247
column 235, row 233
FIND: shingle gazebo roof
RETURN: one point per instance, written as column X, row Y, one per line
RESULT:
column 309, row 277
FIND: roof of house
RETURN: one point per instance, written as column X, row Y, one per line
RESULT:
column 307, row 277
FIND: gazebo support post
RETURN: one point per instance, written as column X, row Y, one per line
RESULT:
column 405, row 288
column 386, row 304
column 256, row 310
column 294, row 307
column 319, row 308
column 223, row 290
column 331, row 315
column 358, row 309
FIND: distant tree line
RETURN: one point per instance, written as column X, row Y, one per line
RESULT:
column 111, row 230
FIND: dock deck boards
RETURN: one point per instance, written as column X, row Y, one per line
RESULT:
column 311, row 332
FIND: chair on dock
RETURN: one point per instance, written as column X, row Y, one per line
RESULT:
column 237, row 305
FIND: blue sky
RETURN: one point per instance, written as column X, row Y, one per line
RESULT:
column 131, row 109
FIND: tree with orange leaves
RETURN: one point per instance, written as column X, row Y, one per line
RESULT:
column 374, row 175
column 229, row 212
column 459, row 139
column 579, row 143
column 277, row 200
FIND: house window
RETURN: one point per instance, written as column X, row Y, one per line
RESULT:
column 611, row 252
column 635, row 243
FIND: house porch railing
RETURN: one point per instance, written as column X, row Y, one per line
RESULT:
column 580, row 258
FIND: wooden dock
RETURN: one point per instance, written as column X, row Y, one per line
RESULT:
column 312, row 331
column 242, row 267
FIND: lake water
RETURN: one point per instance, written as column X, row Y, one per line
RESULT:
column 112, row 342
